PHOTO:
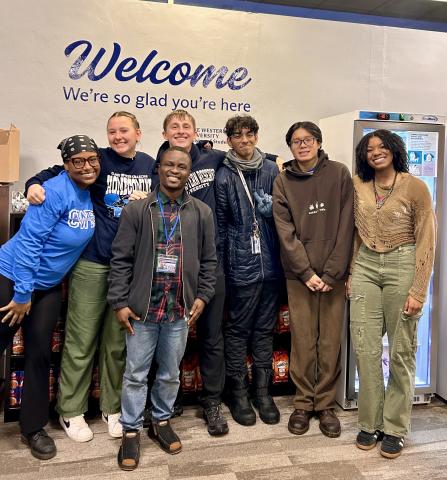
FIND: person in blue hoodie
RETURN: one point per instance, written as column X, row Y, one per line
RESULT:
column 125, row 174
column 249, row 249
column 33, row 263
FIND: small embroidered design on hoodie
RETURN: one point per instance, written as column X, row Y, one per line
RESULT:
column 316, row 207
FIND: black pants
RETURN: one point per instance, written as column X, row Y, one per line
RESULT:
column 252, row 314
column 211, row 344
column 37, row 328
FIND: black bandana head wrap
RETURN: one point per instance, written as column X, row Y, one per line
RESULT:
column 76, row 144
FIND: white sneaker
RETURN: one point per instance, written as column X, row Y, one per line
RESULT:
column 114, row 426
column 76, row 428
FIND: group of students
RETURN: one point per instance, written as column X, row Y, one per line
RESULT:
column 165, row 243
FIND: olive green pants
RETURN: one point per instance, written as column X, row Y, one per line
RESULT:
column 380, row 285
column 90, row 323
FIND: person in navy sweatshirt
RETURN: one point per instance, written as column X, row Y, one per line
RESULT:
column 179, row 130
column 33, row 263
column 90, row 321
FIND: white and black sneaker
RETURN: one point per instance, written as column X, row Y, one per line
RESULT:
column 113, row 424
column 391, row 446
column 76, row 428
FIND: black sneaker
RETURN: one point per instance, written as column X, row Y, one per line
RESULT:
column 391, row 446
column 129, row 452
column 367, row 441
column 41, row 444
column 217, row 424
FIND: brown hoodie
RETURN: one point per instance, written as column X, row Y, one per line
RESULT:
column 314, row 217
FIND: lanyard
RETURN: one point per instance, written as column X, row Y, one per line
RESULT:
column 171, row 233
column 247, row 191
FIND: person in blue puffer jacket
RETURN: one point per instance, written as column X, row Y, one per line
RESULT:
column 249, row 250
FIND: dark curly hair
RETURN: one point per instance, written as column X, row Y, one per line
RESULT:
column 238, row 122
column 392, row 142
column 313, row 129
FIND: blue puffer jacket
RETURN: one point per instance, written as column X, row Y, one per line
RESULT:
column 235, row 226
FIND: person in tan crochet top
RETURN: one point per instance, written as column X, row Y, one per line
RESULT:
column 391, row 269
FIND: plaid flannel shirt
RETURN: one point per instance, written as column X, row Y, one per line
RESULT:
column 167, row 291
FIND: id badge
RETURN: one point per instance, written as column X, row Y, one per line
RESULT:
column 255, row 244
column 166, row 263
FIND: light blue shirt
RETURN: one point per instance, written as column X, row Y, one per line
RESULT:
column 51, row 238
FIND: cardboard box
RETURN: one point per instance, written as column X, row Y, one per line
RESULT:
column 9, row 154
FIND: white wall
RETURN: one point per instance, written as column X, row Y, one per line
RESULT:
column 300, row 69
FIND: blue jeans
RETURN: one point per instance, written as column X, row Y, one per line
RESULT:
column 167, row 341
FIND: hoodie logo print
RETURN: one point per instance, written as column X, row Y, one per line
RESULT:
column 200, row 179
column 317, row 207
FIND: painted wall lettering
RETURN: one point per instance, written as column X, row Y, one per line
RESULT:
column 152, row 69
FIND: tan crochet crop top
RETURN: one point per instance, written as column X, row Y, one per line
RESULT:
column 406, row 217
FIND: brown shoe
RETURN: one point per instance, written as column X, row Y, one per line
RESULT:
column 299, row 421
column 329, row 423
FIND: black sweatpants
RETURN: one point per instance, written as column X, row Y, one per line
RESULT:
column 37, row 328
column 211, row 344
column 252, row 314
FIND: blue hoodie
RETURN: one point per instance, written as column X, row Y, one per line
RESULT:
column 51, row 238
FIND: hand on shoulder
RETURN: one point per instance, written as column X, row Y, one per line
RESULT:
column 36, row 194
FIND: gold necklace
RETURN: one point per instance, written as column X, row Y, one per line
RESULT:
column 380, row 201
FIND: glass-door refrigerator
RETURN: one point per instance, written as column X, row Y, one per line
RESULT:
column 424, row 137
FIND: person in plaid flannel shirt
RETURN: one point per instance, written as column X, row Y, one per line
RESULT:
column 162, row 276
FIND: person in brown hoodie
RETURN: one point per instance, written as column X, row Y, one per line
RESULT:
column 313, row 211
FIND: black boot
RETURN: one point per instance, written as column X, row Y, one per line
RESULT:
column 238, row 402
column 263, row 401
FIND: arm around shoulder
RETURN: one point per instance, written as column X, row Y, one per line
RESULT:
column 43, row 176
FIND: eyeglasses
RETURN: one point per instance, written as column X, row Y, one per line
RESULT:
column 79, row 163
column 308, row 141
